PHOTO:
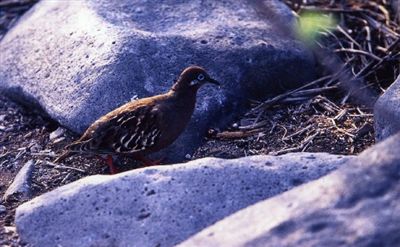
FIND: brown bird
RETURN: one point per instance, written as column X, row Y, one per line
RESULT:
column 143, row 126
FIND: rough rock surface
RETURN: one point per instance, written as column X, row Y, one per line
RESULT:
column 387, row 112
column 357, row 205
column 20, row 188
column 80, row 59
column 164, row 205
column 396, row 8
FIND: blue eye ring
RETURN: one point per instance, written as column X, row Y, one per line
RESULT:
column 200, row 77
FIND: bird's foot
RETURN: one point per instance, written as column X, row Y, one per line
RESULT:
column 113, row 169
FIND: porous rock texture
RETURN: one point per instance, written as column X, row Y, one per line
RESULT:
column 356, row 205
column 163, row 205
column 78, row 60
column 387, row 112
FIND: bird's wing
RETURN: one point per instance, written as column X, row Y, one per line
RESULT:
column 125, row 132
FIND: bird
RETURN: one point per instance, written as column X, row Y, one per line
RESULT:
column 143, row 126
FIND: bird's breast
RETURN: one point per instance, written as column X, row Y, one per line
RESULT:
column 175, row 116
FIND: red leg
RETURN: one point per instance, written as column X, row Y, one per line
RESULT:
column 148, row 162
column 109, row 161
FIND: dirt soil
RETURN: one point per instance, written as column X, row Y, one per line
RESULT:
column 306, row 127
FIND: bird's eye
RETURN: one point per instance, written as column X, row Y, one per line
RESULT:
column 200, row 77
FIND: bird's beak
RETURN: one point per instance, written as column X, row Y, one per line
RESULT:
column 210, row 80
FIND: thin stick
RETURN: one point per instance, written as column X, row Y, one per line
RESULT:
column 254, row 125
column 375, row 63
column 229, row 135
column 48, row 163
column 359, row 52
column 299, row 132
column 284, row 95
column 313, row 91
column 301, row 146
column 348, row 36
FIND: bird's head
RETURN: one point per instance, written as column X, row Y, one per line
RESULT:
column 192, row 78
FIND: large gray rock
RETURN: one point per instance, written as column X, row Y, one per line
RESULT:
column 396, row 9
column 80, row 59
column 387, row 112
column 161, row 206
column 357, row 205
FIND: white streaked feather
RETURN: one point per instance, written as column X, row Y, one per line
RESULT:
column 126, row 144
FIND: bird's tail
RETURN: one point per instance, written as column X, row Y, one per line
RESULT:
column 72, row 148
column 64, row 155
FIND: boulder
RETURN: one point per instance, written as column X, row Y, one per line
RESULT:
column 387, row 112
column 396, row 9
column 356, row 205
column 77, row 60
column 163, row 205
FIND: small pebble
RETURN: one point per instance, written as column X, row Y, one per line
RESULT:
column 10, row 229
column 212, row 132
column 246, row 122
column 57, row 133
column 3, row 209
column 35, row 148
column 134, row 97
column 20, row 188
column 9, row 166
column 60, row 139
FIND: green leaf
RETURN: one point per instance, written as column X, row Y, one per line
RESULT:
column 310, row 24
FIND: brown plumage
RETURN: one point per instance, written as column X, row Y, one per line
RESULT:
column 146, row 125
